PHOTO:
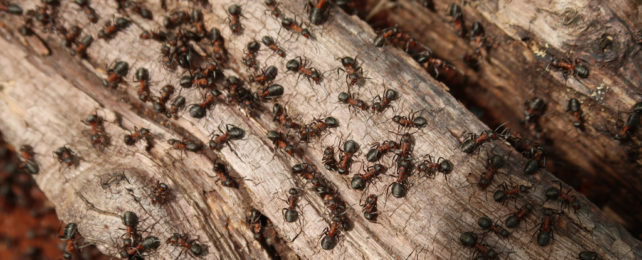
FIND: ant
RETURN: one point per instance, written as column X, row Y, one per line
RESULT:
column 115, row 74
column 487, row 224
column 70, row 36
column 469, row 239
column 234, row 19
column 281, row 142
column 566, row 200
column 266, row 76
column 380, row 104
column 177, row 104
column 576, row 111
column 315, row 128
column 199, row 110
column 349, row 148
column 270, row 92
column 139, row 9
column 215, row 37
column 386, row 34
column 249, row 58
column 273, row 7
column 292, row 26
column 318, row 11
column 587, row 255
column 270, row 43
column 492, row 166
column 411, row 121
column 179, row 240
column 534, row 109
column 328, row 159
column 282, row 117
column 347, row 98
column 67, row 156
column 352, row 69
column 223, row 175
column 631, row 123
column 232, row 133
column 545, row 233
column 175, row 19
column 138, row 134
column 516, row 217
column 11, row 8
column 574, row 68
column 98, row 136
column 505, row 193
column 142, row 76
column 159, row 104
column 300, row 66
column 147, row 244
column 185, row 145
column 472, row 142
column 255, row 223
column 290, row 214
column 378, row 150
column 161, row 193
column 404, row 167
column 370, row 208
column 68, row 234
column 130, row 220
column 405, row 146
column 359, row 181
column 329, row 240
column 197, row 23
column 533, row 164
column 90, row 12
column 429, row 167
column 110, row 30
column 29, row 165
column 455, row 12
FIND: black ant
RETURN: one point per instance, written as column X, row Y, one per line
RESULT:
column 266, row 76
column 349, row 148
column 378, row 150
column 199, row 110
column 380, row 104
column 299, row 65
column 110, row 30
column 232, row 133
column 90, row 12
column 290, row 214
column 161, row 193
column 315, row 128
column 249, row 58
column 270, row 43
column 292, row 26
column 142, row 77
column 115, row 75
column 29, row 165
column 370, row 208
column 469, row 239
column 347, row 98
column 221, row 171
column 516, row 217
column 430, row 167
column 283, row 118
column 352, row 69
column 66, row 156
column 487, row 224
column 234, row 19
column 359, row 181
column 192, row 246
column 281, row 142
column 318, row 11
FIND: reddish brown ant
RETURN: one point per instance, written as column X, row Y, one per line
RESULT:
column 255, row 223
column 66, row 156
column 115, row 75
column 404, row 167
column 138, row 134
column 429, row 167
column 347, row 98
column 545, row 233
column 492, row 166
column 378, row 150
column 159, row 104
column 350, row 147
column 161, row 193
column 283, row 118
column 249, row 58
column 290, row 214
column 81, row 48
column 266, row 76
column 218, row 45
column 90, row 12
column 270, row 43
column 328, row 159
column 384, row 36
column 192, row 246
column 381, row 104
column 175, row 19
column 98, row 135
column 147, row 244
column 504, row 193
column 370, row 208
column 576, row 111
column 185, row 145
column 221, row 171
column 329, row 240
column 315, row 128
column 412, row 121
column 405, row 145
column 301, row 66
column 455, row 12
column 565, row 199
column 29, row 163
column 472, row 142
column 177, row 104
column 318, row 11
column 514, row 219
column 151, row 35
column 70, row 36
column 281, row 142
column 469, row 239
column 232, row 132
column 199, row 110
column 273, row 7
column 68, row 234
column 292, row 26
column 352, row 69
column 631, row 124
column 110, row 30
column 535, row 155
column 360, row 181
column 487, row 224
column 574, row 68
column 234, row 19
column 11, row 8
column 142, row 77
column 130, row 220
column 139, row 9
column 270, row 92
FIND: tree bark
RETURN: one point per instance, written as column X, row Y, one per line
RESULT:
column 45, row 98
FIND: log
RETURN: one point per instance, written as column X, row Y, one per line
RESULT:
column 44, row 100
column 522, row 39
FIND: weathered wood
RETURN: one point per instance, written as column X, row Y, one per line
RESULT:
column 43, row 105
column 523, row 37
